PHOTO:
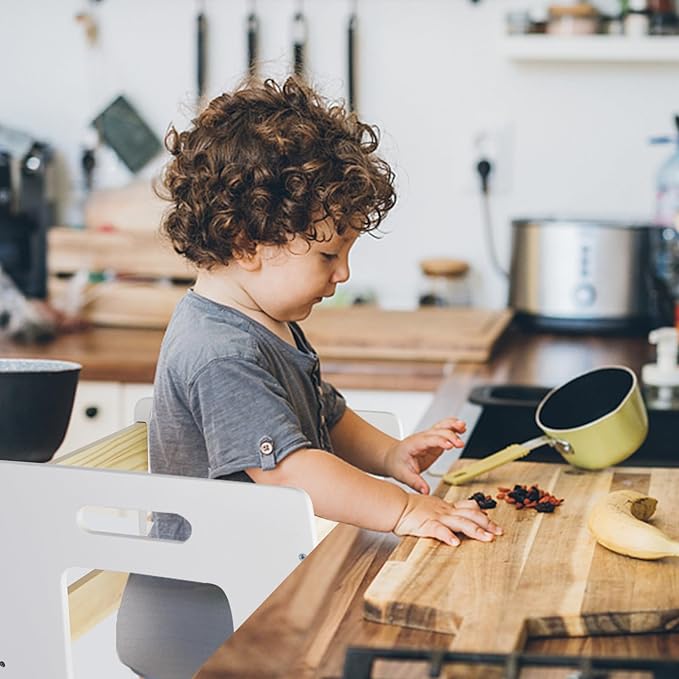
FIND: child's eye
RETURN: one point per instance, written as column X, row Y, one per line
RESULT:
column 329, row 255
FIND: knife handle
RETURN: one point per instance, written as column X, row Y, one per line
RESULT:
column 253, row 31
column 351, row 62
column 201, row 28
column 299, row 40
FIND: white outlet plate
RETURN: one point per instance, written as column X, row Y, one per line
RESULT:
column 495, row 142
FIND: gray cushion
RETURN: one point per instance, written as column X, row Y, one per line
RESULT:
column 166, row 629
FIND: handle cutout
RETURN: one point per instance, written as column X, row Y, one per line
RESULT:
column 136, row 523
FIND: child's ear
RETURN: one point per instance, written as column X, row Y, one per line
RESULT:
column 249, row 261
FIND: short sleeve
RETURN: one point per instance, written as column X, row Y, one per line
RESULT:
column 334, row 404
column 245, row 416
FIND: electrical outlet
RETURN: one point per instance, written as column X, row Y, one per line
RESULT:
column 493, row 141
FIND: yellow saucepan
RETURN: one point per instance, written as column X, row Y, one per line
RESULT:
column 595, row 420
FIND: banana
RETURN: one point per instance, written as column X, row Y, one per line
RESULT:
column 617, row 522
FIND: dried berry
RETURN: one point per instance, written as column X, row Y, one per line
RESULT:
column 483, row 501
column 532, row 497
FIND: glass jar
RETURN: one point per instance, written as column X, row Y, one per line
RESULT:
column 444, row 283
column 579, row 19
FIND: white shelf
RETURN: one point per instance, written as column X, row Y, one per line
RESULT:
column 592, row 48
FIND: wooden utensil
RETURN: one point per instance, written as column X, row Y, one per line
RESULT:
column 545, row 577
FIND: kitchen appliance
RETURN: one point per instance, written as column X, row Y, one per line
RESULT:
column 26, row 210
column 586, row 275
column 596, row 420
column 36, row 400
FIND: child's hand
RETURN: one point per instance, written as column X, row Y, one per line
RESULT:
column 432, row 517
column 414, row 454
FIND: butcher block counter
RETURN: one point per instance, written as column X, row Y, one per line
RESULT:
column 307, row 624
column 360, row 347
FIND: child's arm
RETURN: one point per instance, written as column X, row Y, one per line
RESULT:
column 366, row 447
column 343, row 493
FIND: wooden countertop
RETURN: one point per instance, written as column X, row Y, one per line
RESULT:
column 130, row 355
column 308, row 622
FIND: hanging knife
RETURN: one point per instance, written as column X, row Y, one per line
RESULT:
column 253, row 33
column 351, row 63
column 299, row 33
column 201, row 36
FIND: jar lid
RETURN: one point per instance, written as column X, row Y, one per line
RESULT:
column 582, row 9
column 451, row 268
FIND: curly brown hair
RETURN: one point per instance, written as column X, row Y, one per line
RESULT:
column 267, row 162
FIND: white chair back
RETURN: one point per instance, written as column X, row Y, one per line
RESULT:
column 233, row 541
column 383, row 420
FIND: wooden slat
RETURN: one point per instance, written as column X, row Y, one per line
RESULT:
column 93, row 598
column 97, row 594
column 124, row 450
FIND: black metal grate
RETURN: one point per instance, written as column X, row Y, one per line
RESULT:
column 359, row 661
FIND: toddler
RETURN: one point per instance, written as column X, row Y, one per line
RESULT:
column 270, row 190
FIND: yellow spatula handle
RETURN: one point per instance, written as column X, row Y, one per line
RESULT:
column 508, row 454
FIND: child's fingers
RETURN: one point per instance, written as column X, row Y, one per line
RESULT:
column 446, row 433
column 438, row 440
column 435, row 529
column 466, row 504
column 453, row 423
column 478, row 517
column 415, row 481
column 461, row 524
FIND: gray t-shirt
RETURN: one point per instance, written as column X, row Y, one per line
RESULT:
column 229, row 394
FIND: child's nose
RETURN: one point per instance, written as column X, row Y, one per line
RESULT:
column 342, row 273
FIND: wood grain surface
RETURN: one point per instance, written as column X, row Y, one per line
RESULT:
column 307, row 624
column 430, row 334
column 545, row 577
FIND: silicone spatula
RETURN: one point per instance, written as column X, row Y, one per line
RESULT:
column 508, row 454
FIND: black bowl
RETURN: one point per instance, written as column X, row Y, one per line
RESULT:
column 36, row 400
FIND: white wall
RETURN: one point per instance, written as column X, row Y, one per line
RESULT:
column 432, row 74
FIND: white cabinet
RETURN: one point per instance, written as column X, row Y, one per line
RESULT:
column 96, row 413
column 99, row 409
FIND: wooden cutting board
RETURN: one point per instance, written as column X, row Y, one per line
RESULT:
column 544, row 577
column 436, row 334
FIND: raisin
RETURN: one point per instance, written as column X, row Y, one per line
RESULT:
column 545, row 507
column 483, row 501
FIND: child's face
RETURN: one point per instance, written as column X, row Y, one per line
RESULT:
column 292, row 278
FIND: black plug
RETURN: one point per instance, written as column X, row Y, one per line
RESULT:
column 484, row 167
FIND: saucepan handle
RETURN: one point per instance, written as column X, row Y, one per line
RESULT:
column 512, row 452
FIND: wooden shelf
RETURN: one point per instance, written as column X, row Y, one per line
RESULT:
column 140, row 253
column 592, row 48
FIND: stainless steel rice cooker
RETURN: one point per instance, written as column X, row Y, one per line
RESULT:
column 585, row 275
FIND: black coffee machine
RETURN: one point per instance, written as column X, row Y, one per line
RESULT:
column 26, row 210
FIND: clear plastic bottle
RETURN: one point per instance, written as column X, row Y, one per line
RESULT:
column 665, row 240
column 667, row 195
